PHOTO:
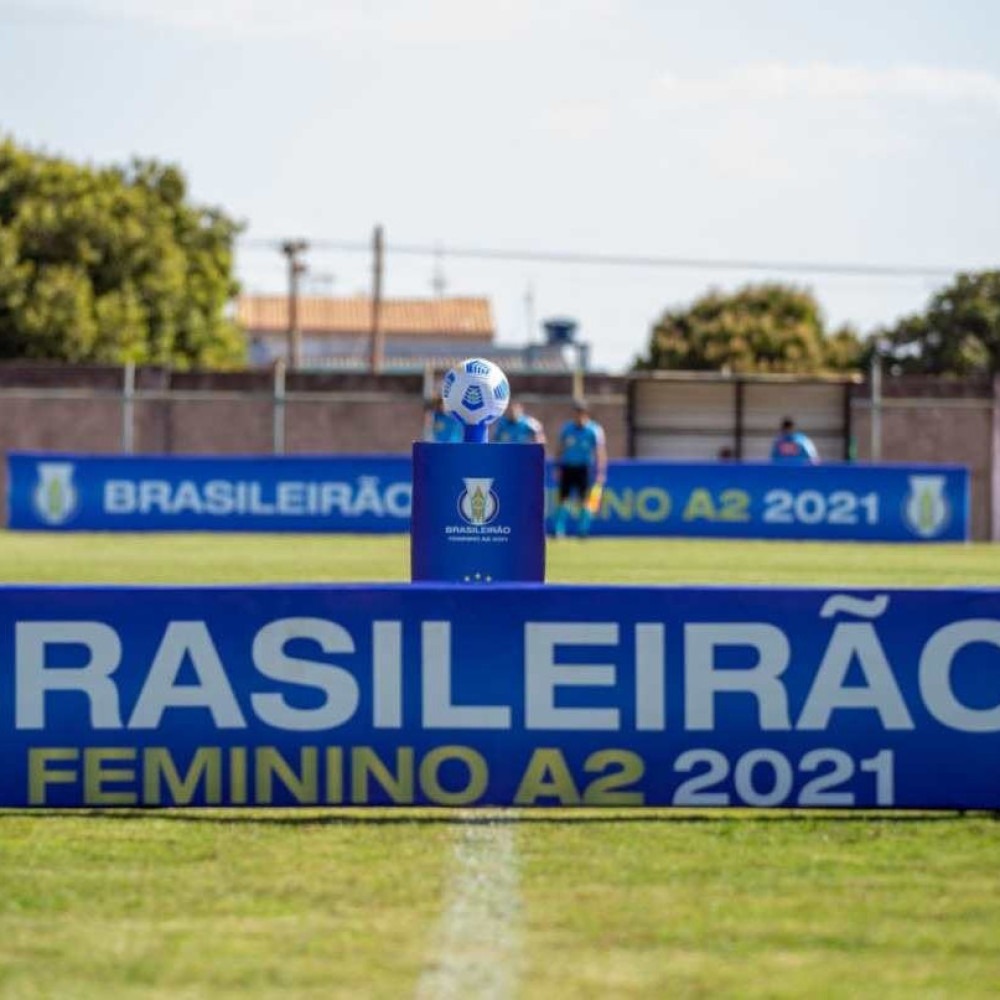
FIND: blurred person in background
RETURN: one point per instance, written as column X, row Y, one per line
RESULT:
column 440, row 425
column 792, row 447
column 582, row 469
column 516, row 427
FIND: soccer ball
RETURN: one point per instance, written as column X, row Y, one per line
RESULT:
column 475, row 391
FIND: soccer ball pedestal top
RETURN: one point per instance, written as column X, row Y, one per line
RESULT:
column 478, row 510
column 476, row 393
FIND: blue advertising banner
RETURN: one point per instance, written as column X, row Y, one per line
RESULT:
column 365, row 493
column 373, row 493
column 478, row 513
column 898, row 503
column 527, row 695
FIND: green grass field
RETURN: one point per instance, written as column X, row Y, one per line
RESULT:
column 100, row 558
column 321, row 903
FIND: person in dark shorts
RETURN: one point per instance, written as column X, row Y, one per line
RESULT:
column 582, row 465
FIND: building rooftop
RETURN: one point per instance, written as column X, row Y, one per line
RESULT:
column 450, row 317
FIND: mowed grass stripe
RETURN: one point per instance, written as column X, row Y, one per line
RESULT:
column 477, row 950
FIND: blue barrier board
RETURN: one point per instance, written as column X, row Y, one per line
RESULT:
column 533, row 695
column 372, row 493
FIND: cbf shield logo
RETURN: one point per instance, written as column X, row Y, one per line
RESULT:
column 478, row 503
column 926, row 508
column 55, row 498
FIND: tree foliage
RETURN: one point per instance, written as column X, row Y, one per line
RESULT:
column 112, row 265
column 767, row 327
column 958, row 335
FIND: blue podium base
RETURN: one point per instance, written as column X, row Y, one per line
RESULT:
column 478, row 513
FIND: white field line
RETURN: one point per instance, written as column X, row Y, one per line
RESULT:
column 478, row 938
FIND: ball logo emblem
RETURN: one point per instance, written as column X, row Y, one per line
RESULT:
column 473, row 398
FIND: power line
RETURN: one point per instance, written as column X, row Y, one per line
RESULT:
column 625, row 260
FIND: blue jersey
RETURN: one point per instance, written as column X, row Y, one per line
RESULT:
column 580, row 445
column 523, row 430
column 445, row 428
column 794, row 449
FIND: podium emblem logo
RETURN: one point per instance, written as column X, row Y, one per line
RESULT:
column 55, row 497
column 926, row 508
column 478, row 503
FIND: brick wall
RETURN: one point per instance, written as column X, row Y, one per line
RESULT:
column 939, row 421
column 923, row 420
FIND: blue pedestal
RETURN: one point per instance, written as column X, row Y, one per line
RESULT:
column 478, row 513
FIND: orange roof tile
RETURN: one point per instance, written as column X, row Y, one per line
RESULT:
column 457, row 317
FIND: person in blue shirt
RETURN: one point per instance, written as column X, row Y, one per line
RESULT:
column 582, row 469
column 516, row 427
column 440, row 425
column 792, row 447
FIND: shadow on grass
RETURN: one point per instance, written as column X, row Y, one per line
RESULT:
column 437, row 816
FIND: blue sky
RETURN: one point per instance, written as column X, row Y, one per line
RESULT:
column 856, row 132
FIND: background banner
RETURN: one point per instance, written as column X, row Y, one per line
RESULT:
column 763, row 500
column 373, row 493
column 365, row 493
column 532, row 695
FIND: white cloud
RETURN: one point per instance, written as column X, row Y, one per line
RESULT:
column 772, row 82
column 806, row 125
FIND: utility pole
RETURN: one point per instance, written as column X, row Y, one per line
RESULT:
column 531, row 331
column 875, row 385
column 377, row 352
column 293, row 249
column 439, row 282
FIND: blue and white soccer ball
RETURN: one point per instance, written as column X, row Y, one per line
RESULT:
column 475, row 391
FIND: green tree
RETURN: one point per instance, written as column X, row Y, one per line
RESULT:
column 766, row 327
column 111, row 265
column 958, row 335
